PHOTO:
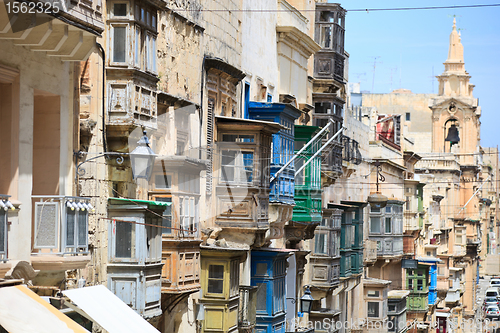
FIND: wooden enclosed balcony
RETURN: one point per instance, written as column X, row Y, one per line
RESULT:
column 60, row 232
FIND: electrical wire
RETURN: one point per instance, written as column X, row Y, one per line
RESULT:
column 367, row 10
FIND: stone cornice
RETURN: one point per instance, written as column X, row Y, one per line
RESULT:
column 296, row 36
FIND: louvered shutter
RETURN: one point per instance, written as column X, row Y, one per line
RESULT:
column 46, row 224
column 210, row 143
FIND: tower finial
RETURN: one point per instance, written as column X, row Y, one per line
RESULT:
column 454, row 23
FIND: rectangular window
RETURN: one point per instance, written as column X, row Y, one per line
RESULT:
column 138, row 47
column 408, row 116
column 82, row 229
column 375, row 225
column 321, row 243
column 167, row 216
column 269, row 98
column 373, row 309
column 186, row 213
column 299, row 178
column 120, row 9
column 388, row 225
column 279, row 295
column 410, row 284
column 261, row 296
column 147, row 52
column 215, row 279
column 323, row 107
column 153, row 54
column 420, row 285
column 326, row 37
column 119, row 43
column 163, row 181
column 336, row 244
column 237, row 166
column 234, row 278
column 237, row 138
column 76, row 229
column 124, row 242
column 373, row 293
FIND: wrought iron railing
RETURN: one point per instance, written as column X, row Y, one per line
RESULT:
column 60, row 224
column 5, row 205
column 350, row 151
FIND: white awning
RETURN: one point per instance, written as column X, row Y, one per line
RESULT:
column 23, row 311
column 106, row 309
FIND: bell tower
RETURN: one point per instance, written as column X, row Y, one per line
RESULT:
column 455, row 111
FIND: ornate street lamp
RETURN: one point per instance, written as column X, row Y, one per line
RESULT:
column 142, row 159
column 378, row 200
column 306, row 301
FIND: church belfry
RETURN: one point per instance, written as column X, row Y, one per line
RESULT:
column 455, row 112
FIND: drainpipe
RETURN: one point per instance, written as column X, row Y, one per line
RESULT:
column 104, row 145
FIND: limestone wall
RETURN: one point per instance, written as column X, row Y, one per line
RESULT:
column 38, row 75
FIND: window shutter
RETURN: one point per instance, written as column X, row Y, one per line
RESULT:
column 46, row 224
column 3, row 231
column 210, row 142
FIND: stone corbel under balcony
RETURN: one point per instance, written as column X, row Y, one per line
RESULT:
column 60, row 38
column 59, row 263
column 295, row 231
column 279, row 214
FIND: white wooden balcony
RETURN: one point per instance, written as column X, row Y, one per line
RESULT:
column 60, row 232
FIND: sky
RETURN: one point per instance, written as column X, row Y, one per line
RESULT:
column 409, row 47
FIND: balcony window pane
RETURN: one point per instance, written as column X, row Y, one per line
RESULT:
column 123, row 240
column 228, row 165
column 321, row 122
column 248, row 163
column 119, row 43
column 373, row 293
column 322, row 107
column 237, row 138
column 237, row 167
column 420, row 285
column 373, row 309
column 326, row 37
column 299, row 178
column 261, row 296
column 375, row 225
column 153, row 54
column 327, row 17
column 234, row 278
column 70, row 227
column 261, row 268
column 320, row 241
column 82, row 229
column 120, row 9
column 215, row 279
column 137, row 47
column 167, row 216
column 388, row 226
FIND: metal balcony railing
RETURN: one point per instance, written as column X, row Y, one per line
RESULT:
column 60, row 225
column 350, row 151
column 5, row 205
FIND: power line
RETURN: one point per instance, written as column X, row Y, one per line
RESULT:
column 367, row 10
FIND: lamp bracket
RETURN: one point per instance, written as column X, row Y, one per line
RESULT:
column 79, row 171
